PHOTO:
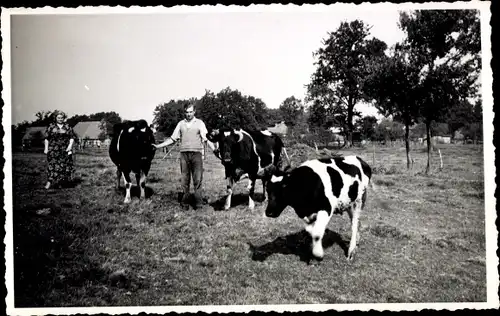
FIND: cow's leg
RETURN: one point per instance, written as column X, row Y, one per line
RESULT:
column 118, row 176
column 128, row 185
column 143, row 185
column 354, row 213
column 264, row 184
column 144, row 176
column 229, row 193
column 251, row 193
column 317, row 231
column 141, row 182
column 138, row 178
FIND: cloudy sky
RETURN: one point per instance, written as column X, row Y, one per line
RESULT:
column 130, row 63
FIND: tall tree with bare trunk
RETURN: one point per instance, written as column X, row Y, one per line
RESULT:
column 445, row 45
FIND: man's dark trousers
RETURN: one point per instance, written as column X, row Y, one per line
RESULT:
column 191, row 166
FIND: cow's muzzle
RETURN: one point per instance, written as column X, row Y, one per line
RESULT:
column 271, row 214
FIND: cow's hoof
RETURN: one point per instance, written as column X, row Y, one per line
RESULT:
column 127, row 201
column 314, row 261
column 351, row 255
column 318, row 255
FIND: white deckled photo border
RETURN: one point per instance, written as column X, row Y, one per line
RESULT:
column 491, row 232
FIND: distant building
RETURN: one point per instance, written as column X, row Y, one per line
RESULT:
column 335, row 130
column 88, row 134
column 279, row 128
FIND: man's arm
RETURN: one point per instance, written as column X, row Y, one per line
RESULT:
column 204, row 132
column 172, row 139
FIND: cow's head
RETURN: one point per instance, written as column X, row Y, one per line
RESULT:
column 276, row 188
column 227, row 141
column 142, row 136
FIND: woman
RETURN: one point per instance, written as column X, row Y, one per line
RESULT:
column 58, row 148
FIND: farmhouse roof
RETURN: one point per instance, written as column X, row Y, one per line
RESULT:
column 279, row 128
column 90, row 129
column 31, row 132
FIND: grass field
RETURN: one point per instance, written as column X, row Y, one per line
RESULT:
column 423, row 240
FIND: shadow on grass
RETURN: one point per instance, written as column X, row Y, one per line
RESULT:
column 46, row 257
column 135, row 191
column 298, row 244
column 72, row 183
column 53, row 259
column 236, row 200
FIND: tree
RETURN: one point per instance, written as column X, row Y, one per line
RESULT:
column 390, row 84
column 259, row 109
column 439, row 129
column 445, row 46
column 226, row 109
column 43, row 118
column 291, row 109
column 317, row 118
column 474, row 128
column 341, row 70
column 274, row 116
column 367, row 126
column 318, row 121
column 459, row 116
column 230, row 109
column 389, row 130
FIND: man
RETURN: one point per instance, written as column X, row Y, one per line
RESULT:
column 192, row 133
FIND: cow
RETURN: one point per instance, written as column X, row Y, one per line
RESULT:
column 319, row 188
column 131, row 150
column 249, row 153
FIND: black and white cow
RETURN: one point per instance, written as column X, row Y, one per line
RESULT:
column 131, row 150
column 247, row 152
column 319, row 188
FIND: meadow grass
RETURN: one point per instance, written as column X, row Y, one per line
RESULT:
column 422, row 238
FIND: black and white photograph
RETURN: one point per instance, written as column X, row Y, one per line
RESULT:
column 249, row 158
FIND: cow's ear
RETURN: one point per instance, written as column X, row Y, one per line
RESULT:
column 287, row 171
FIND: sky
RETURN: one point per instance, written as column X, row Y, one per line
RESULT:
column 128, row 63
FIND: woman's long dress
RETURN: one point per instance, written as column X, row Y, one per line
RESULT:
column 60, row 164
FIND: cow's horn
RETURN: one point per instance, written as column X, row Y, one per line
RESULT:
column 240, row 135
